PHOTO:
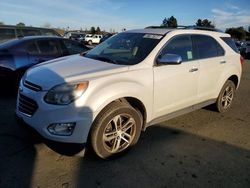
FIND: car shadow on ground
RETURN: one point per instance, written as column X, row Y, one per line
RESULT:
column 17, row 151
column 166, row 157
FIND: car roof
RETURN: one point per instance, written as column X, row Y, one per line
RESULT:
column 164, row 31
column 15, row 41
column 150, row 31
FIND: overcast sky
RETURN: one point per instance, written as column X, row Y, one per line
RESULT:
column 129, row 14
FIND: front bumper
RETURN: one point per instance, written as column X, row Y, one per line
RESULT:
column 47, row 114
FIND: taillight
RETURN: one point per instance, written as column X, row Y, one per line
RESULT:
column 241, row 60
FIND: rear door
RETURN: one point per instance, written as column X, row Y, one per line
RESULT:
column 212, row 61
column 175, row 86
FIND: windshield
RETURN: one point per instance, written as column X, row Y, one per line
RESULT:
column 125, row 48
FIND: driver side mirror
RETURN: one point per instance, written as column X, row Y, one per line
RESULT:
column 169, row 59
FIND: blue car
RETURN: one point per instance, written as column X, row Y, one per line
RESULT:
column 17, row 55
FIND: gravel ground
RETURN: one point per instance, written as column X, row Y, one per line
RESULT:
column 200, row 149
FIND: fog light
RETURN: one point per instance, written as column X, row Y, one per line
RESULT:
column 61, row 129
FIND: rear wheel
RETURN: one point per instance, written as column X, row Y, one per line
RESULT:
column 116, row 130
column 226, row 96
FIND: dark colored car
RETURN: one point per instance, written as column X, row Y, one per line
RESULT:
column 17, row 55
column 105, row 37
column 8, row 32
column 246, row 50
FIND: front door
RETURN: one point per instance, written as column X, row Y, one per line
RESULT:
column 175, row 86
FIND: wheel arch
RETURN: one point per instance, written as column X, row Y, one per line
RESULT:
column 136, row 103
column 235, row 80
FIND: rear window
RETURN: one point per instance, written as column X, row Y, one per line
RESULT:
column 230, row 43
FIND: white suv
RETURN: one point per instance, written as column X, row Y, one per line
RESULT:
column 131, row 81
column 95, row 39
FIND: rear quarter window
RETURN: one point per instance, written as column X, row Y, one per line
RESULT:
column 230, row 43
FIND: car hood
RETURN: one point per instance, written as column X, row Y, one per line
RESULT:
column 69, row 69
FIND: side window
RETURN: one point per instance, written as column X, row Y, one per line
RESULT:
column 180, row 45
column 49, row 47
column 73, row 47
column 32, row 49
column 231, row 43
column 207, row 47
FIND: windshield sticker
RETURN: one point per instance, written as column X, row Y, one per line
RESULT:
column 152, row 36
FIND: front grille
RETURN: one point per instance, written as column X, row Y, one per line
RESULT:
column 27, row 105
column 32, row 86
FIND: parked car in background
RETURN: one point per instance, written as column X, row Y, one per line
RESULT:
column 94, row 39
column 105, row 37
column 245, row 50
column 17, row 55
column 238, row 45
column 8, row 32
column 75, row 36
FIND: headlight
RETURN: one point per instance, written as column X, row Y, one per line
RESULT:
column 65, row 93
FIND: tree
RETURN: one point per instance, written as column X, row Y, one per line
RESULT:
column 249, row 29
column 169, row 22
column 238, row 33
column 204, row 23
column 98, row 30
column 92, row 30
column 1, row 23
column 20, row 24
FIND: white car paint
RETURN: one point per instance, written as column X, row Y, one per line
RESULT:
column 95, row 39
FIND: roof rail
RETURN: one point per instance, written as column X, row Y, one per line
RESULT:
column 185, row 27
column 165, row 27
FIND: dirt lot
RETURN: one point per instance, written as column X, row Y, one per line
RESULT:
column 200, row 149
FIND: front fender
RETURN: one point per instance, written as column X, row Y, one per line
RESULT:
column 110, row 93
column 102, row 91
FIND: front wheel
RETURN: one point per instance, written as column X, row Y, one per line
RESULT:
column 226, row 96
column 115, row 130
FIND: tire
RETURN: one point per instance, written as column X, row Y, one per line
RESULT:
column 226, row 96
column 116, row 129
column 90, row 42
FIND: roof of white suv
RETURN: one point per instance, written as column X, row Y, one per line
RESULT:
column 163, row 31
column 151, row 31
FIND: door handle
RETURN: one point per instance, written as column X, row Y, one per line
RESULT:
column 223, row 62
column 194, row 69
